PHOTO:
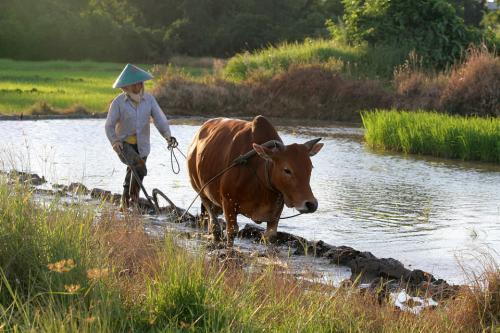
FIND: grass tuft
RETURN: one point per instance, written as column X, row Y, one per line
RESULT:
column 360, row 62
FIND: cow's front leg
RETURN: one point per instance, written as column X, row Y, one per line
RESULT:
column 271, row 232
column 230, row 213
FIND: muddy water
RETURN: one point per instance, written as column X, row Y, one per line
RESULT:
column 429, row 214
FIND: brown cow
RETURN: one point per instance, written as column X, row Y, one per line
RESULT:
column 257, row 189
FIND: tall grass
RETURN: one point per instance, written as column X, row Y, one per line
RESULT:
column 428, row 133
column 45, row 255
column 63, row 269
column 359, row 61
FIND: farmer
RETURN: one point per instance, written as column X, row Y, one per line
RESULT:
column 127, row 127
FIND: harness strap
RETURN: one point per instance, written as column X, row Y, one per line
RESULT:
column 242, row 159
column 267, row 170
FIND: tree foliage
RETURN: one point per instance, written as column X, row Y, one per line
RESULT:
column 431, row 27
column 151, row 30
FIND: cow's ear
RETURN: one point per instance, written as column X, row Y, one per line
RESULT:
column 315, row 149
column 263, row 152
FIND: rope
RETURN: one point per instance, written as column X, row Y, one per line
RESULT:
column 206, row 184
column 289, row 217
column 171, row 145
column 242, row 159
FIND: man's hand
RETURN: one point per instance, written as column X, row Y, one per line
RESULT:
column 118, row 147
column 172, row 142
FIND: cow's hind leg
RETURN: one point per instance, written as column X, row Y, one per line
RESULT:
column 213, row 223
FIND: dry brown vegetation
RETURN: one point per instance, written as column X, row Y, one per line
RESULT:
column 321, row 92
column 310, row 92
column 474, row 87
column 470, row 88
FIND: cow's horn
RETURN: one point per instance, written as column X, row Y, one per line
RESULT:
column 309, row 144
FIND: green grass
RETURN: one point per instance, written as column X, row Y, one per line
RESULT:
column 358, row 62
column 159, row 287
column 34, row 297
column 428, row 133
column 25, row 86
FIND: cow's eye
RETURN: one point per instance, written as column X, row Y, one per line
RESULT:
column 287, row 171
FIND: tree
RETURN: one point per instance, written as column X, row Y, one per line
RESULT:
column 430, row 27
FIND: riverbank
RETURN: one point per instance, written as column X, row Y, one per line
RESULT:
column 318, row 81
column 110, row 276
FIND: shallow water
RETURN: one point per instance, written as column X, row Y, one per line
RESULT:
column 430, row 214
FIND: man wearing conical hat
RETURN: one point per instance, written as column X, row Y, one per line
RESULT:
column 127, row 127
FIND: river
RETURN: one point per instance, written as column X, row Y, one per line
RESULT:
column 430, row 214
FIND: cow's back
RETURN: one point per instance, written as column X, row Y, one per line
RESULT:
column 217, row 143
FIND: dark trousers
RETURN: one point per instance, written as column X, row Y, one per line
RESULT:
column 131, row 187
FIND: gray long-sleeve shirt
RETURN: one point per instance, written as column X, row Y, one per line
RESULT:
column 125, row 119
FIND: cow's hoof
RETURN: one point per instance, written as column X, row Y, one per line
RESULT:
column 216, row 238
column 230, row 243
column 270, row 238
column 214, row 246
column 216, row 231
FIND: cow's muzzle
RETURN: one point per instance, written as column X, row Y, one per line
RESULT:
column 309, row 206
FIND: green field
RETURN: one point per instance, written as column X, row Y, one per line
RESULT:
column 63, row 85
column 429, row 133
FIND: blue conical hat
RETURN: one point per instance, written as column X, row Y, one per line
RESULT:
column 131, row 74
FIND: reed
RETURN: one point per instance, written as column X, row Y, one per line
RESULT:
column 430, row 133
column 64, row 269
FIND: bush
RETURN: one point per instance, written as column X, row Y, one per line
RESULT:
column 431, row 27
column 316, row 92
column 474, row 87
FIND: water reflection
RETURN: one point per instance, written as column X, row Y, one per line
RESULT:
column 421, row 211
